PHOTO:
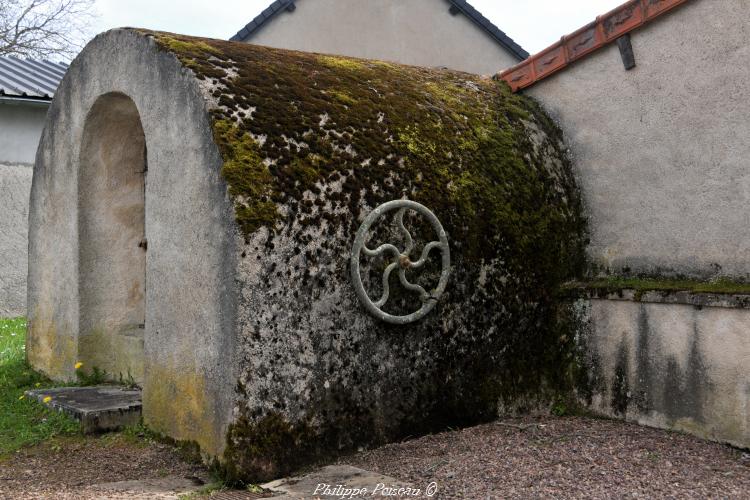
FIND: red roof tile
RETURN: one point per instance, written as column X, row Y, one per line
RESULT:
column 570, row 48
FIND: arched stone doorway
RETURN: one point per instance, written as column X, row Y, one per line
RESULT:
column 111, row 238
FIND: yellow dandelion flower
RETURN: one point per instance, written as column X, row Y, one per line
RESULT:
column 47, row 399
column 78, row 365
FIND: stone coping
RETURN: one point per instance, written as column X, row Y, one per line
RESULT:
column 685, row 297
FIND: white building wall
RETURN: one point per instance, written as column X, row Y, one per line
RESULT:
column 662, row 155
column 416, row 32
column 21, row 125
column 662, row 152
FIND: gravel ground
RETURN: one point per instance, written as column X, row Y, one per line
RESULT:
column 554, row 457
column 70, row 468
column 521, row 458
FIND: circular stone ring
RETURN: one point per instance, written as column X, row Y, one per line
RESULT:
column 402, row 261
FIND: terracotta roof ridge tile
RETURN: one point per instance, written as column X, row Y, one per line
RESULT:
column 604, row 30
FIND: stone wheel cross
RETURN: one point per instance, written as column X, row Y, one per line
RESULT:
column 402, row 262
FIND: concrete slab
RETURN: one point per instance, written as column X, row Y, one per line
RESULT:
column 98, row 408
column 340, row 481
column 167, row 488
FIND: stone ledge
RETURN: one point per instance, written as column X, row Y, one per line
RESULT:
column 98, row 408
column 685, row 297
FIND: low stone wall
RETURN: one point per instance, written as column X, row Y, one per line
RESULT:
column 660, row 360
column 15, row 184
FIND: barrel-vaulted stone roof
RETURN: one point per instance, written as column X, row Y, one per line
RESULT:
column 287, row 120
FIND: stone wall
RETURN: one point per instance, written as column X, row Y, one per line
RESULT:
column 20, row 127
column 311, row 145
column 188, row 354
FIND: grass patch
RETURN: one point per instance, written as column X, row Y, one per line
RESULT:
column 614, row 283
column 24, row 422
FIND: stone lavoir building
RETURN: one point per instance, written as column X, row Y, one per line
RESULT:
column 192, row 216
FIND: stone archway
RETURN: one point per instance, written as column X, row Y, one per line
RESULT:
column 111, row 239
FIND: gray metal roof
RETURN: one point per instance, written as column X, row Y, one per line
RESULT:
column 457, row 6
column 28, row 78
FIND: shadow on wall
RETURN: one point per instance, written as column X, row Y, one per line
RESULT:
column 111, row 235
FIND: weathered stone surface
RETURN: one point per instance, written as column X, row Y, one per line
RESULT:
column 261, row 165
column 668, row 365
column 188, row 337
column 98, row 408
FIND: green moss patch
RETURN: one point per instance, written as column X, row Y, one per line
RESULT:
column 266, row 449
column 451, row 141
column 616, row 283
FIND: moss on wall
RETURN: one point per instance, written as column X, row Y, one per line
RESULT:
column 312, row 143
column 614, row 284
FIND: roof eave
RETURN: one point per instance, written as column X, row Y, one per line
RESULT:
column 21, row 100
column 261, row 19
column 485, row 24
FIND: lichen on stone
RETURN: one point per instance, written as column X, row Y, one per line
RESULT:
column 450, row 136
column 616, row 284
column 311, row 144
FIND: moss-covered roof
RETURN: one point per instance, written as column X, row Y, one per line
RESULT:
column 288, row 122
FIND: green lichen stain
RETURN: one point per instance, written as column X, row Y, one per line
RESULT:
column 614, row 284
column 343, row 97
column 192, row 49
column 248, row 177
column 347, row 63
